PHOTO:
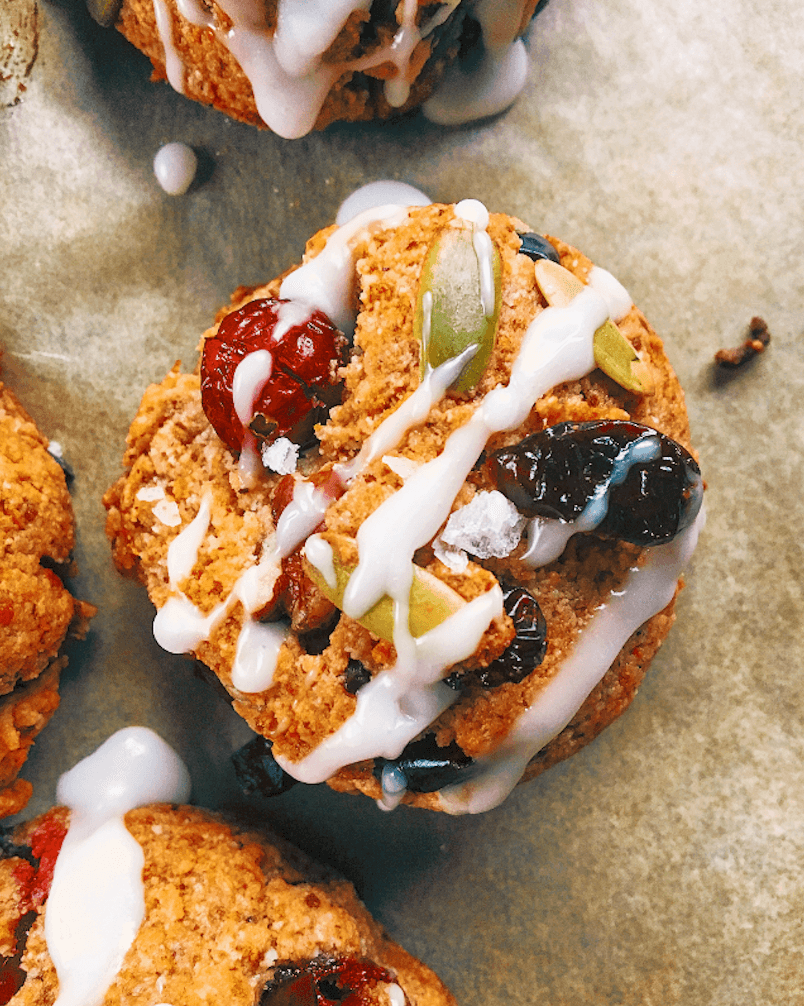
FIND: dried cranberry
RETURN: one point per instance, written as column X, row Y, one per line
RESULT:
column 557, row 472
column 257, row 771
column 303, row 382
column 525, row 651
column 426, row 766
column 323, row 981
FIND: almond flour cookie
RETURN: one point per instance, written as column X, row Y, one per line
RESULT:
column 37, row 612
column 142, row 902
column 279, row 64
column 461, row 577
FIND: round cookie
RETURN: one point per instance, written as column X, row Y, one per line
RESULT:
column 37, row 612
column 350, row 61
column 201, row 910
column 519, row 647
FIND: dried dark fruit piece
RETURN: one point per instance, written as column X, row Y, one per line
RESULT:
column 641, row 486
column 323, row 981
column 523, row 654
column 536, row 247
column 426, row 766
column 298, row 352
column 355, row 676
column 257, row 770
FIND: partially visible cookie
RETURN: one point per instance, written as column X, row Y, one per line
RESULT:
column 37, row 612
column 225, row 915
column 275, row 64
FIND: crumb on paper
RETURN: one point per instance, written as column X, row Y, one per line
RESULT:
column 758, row 339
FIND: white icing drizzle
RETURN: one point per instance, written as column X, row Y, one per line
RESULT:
column 258, row 647
column 174, row 68
column 250, row 377
column 379, row 193
column 288, row 77
column 319, row 554
column 477, row 215
column 96, row 902
column 175, row 165
column 646, row 591
column 326, row 281
column 617, row 298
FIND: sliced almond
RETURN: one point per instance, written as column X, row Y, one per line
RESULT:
column 614, row 354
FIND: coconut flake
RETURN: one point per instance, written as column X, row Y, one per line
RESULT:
column 281, row 456
column 488, row 526
column 168, row 512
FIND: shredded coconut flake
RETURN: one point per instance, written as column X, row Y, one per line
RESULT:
column 403, row 467
column 168, row 512
column 281, row 456
column 150, row 494
column 453, row 558
column 488, row 526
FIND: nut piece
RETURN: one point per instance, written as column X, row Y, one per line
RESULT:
column 431, row 600
column 614, row 354
column 452, row 312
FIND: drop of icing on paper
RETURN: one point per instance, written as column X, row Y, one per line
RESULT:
column 380, row 193
column 175, row 166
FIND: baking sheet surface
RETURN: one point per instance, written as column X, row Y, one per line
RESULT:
column 665, row 862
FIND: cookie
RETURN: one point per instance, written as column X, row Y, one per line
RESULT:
column 121, row 900
column 275, row 64
column 37, row 612
column 466, row 572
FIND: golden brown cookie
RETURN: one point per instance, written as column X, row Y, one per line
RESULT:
column 531, row 512
column 37, row 612
column 230, row 916
column 348, row 62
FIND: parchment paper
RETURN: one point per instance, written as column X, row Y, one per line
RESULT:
column 663, row 864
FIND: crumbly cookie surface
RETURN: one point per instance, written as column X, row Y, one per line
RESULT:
column 355, row 62
column 171, row 446
column 227, row 912
column 37, row 612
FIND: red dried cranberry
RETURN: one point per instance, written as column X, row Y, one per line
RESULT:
column 557, row 472
column 303, row 383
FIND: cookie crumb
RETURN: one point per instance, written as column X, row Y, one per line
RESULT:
column 758, row 339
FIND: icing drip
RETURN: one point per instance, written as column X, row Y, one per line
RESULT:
column 96, row 903
column 464, row 96
column 647, row 590
column 326, row 281
column 612, row 291
column 174, row 68
column 179, row 626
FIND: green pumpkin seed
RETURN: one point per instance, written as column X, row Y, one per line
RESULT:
column 451, row 314
column 431, row 600
column 614, row 354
